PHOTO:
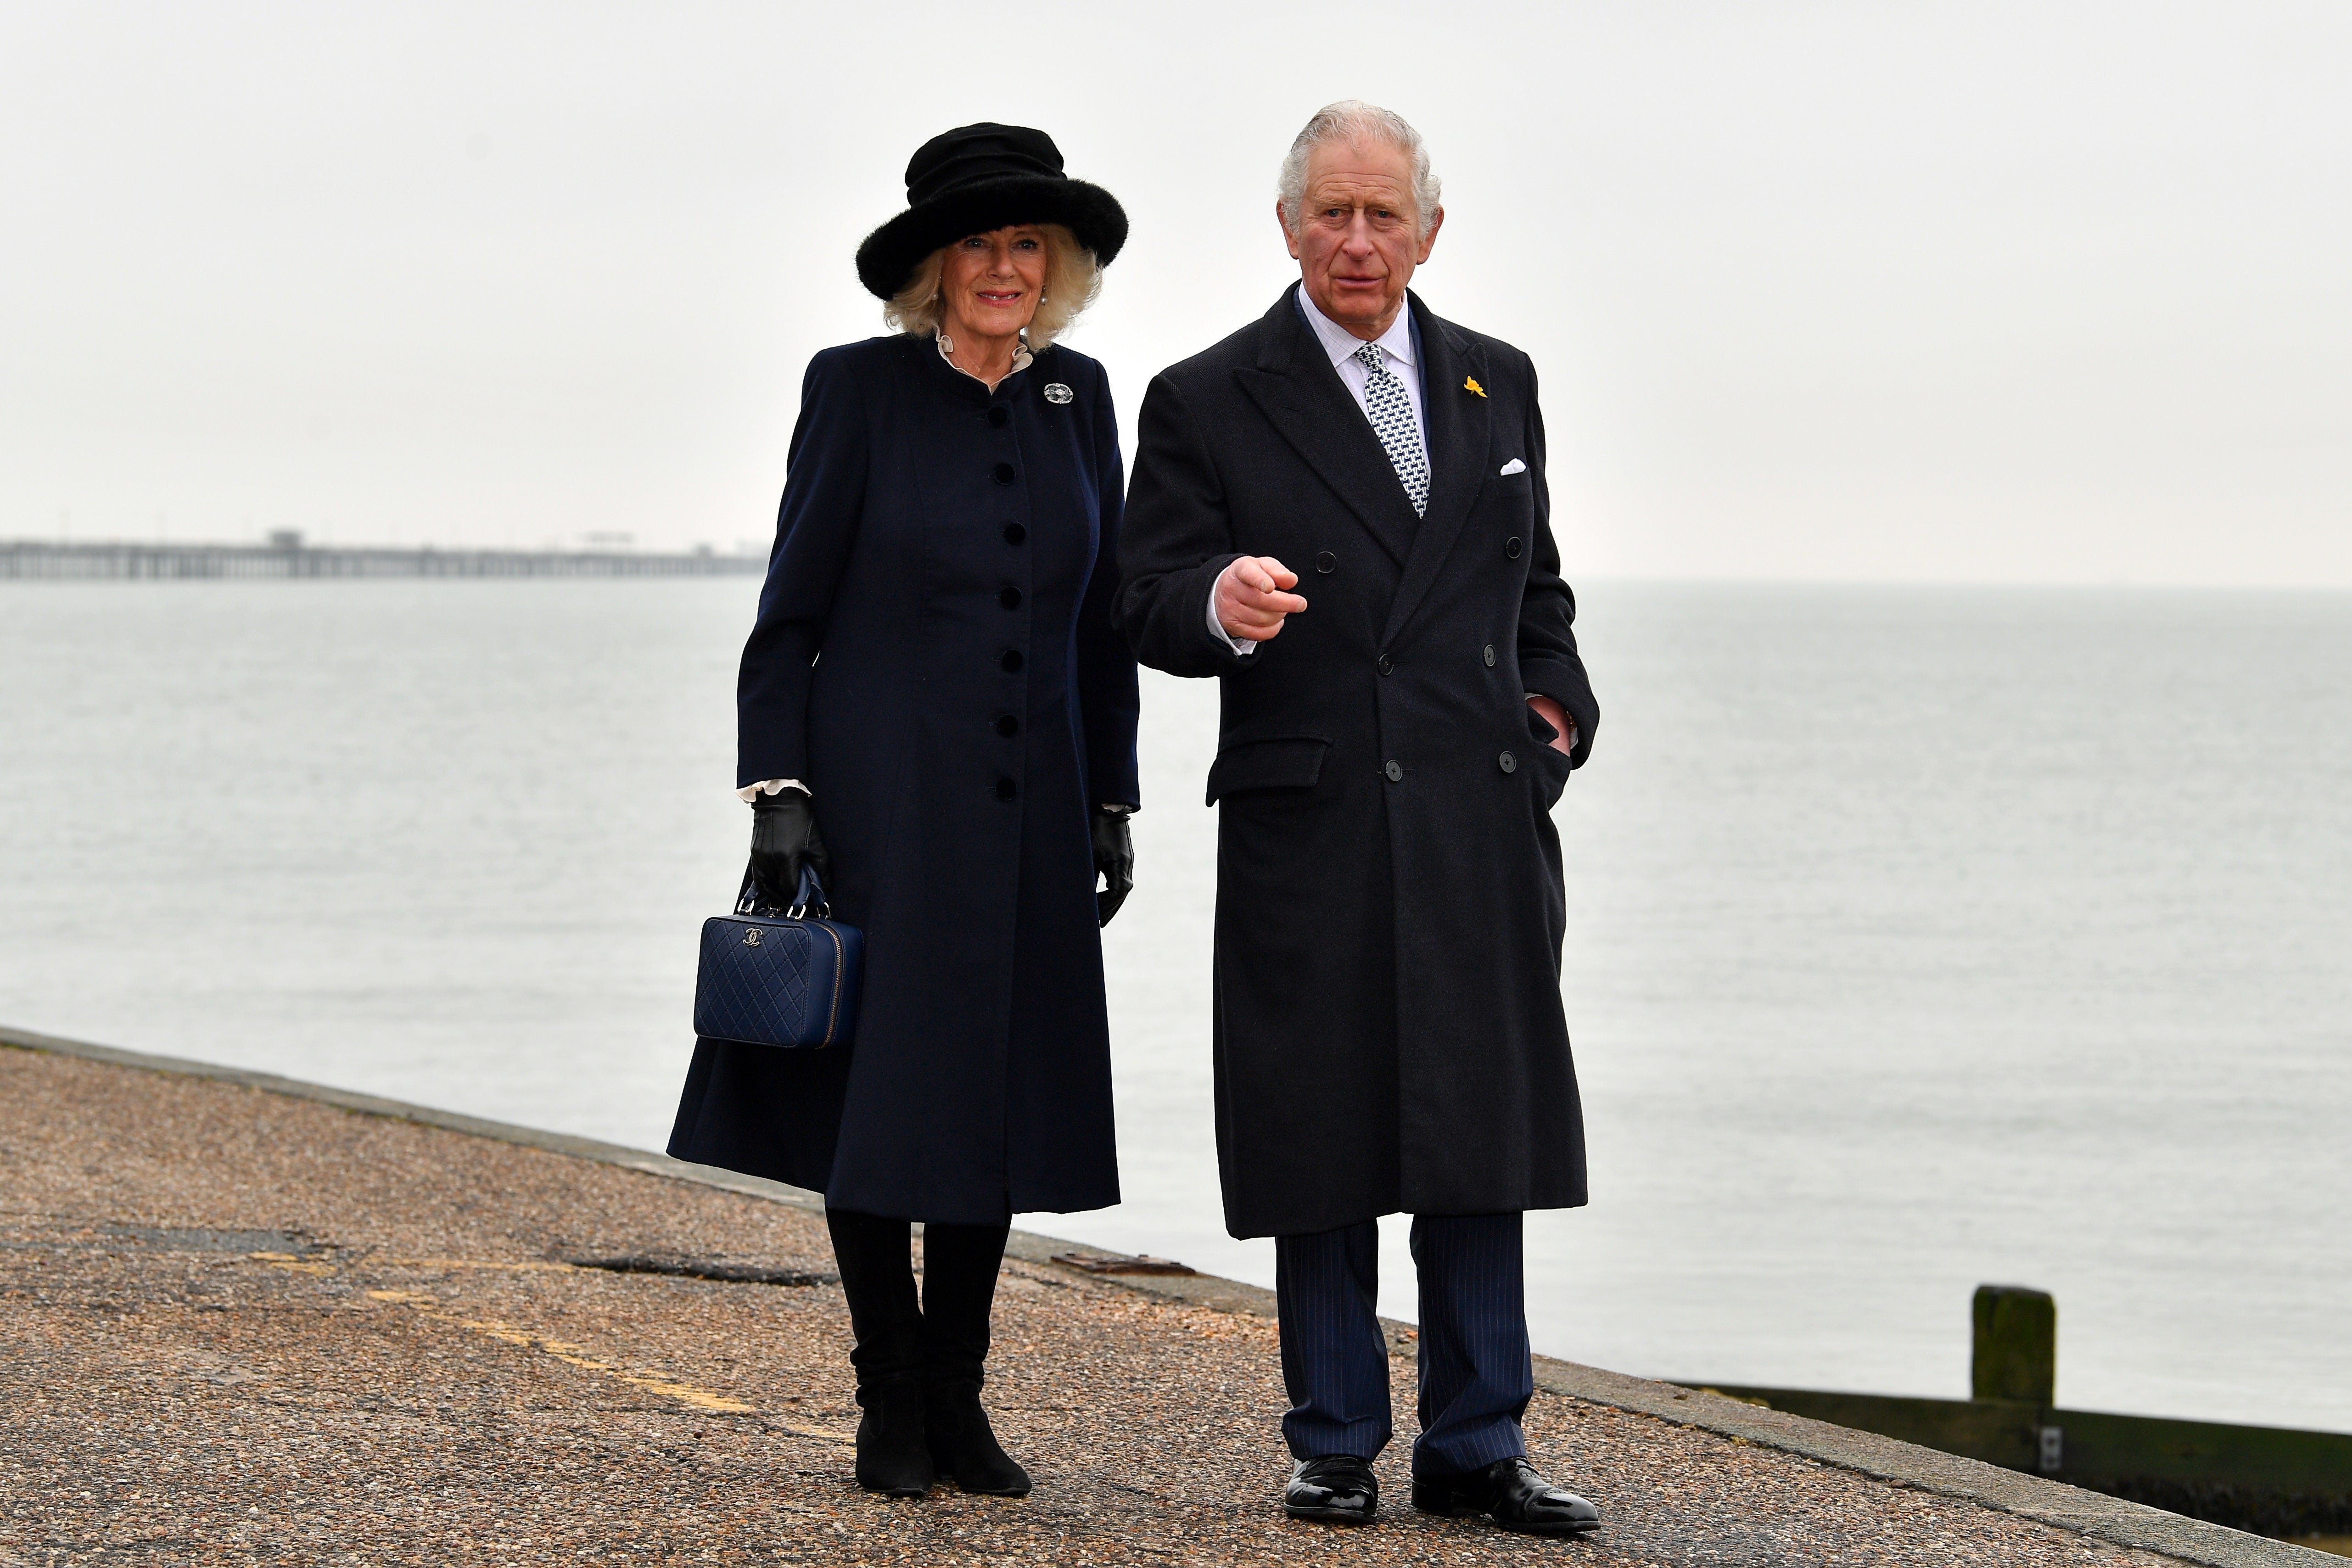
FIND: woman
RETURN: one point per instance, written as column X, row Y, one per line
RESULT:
column 934, row 675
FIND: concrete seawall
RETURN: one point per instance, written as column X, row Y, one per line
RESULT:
column 252, row 1318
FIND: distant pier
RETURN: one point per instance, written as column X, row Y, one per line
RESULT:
column 286, row 556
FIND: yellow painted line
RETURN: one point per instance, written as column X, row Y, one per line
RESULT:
column 480, row 1263
column 291, row 1263
column 572, row 1354
column 287, row 1261
column 563, row 1351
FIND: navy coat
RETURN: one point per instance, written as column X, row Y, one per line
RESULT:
column 1390, row 901
column 935, row 657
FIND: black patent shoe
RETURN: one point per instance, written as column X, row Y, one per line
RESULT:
column 1513, row 1494
column 1336, row 1488
column 893, row 1458
column 963, row 1446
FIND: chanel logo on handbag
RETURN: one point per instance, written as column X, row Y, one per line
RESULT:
column 1056, row 392
column 751, row 937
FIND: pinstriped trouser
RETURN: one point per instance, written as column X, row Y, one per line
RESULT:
column 1476, row 1373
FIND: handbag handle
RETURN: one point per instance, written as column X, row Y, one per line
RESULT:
column 810, row 901
column 807, row 901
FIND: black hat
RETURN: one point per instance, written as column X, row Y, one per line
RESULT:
column 976, row 178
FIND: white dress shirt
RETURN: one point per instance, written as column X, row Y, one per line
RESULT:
column 1396, row 344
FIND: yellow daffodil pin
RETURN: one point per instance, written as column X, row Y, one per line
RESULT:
column 1471, row 385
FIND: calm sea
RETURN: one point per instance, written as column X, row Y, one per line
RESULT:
column 1917, row 938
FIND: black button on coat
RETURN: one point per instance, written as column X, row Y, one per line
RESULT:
column 972, row 704
column 1390, row 902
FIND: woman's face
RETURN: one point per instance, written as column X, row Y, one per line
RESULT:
column 990, row 283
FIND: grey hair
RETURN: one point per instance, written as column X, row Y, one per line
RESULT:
column 1073, row 279
column 1348, row 120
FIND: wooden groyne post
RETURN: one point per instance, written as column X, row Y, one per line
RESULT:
column 2269, row 1478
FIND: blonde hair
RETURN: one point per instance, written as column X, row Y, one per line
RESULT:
column 1072, row 282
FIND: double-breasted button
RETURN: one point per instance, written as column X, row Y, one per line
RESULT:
column 1014, row 534
column 1011, row 661
column 1007, row 725
column 1003, row 475
column 1511, row 545
column 1508, row 762
column 1327, row 564
column 1384, row 664
column 1489, row 655
column 1009, row 596
column 999, row 416
column 1395, row 769
column 1006, row 789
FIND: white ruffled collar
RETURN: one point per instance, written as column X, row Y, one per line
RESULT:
column 1022, row 358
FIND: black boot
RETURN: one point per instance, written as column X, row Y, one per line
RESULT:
column 893, row 1455
column 964, row 1445
column 878, row 1277
column 960, row 1267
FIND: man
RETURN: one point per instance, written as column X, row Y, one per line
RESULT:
column 1341, row 511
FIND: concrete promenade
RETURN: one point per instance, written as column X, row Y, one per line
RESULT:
column 249, row 1321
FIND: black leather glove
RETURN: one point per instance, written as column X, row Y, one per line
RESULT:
column 784, row 839
column 1114, row 859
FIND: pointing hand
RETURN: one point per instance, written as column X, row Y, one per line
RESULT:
column 1253, row 597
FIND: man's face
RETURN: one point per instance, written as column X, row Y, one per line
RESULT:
column 1358, row 237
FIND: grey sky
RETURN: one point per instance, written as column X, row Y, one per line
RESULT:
column 1981, row 291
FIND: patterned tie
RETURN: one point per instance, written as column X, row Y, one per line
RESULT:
column 1392, row 421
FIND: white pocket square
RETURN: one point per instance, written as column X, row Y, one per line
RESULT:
column 1514, row 467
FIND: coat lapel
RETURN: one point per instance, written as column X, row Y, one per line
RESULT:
column 1303, row 397
column 1460, row 434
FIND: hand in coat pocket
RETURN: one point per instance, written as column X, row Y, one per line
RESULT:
column 1563, row 733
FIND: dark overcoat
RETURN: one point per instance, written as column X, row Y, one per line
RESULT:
column 935, row 657
column 1390, row 900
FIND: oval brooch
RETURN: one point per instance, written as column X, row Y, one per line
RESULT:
column 1056, row 392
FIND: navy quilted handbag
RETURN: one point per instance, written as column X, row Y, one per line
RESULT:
column 789, row 978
